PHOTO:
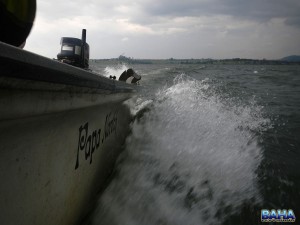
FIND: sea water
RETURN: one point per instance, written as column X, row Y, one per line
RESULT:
column 210, row 144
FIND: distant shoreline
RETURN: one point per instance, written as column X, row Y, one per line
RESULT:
column 238, row 61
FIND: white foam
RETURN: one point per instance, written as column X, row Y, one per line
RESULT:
column 193, row 155
column 116, row 70
column 137, row 105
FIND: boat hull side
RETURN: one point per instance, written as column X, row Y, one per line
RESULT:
column 53, row 164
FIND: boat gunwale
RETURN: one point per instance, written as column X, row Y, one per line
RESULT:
column 19, row 63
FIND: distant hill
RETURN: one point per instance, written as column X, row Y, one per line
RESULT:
column 291, row 58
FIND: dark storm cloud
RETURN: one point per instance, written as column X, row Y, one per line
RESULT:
column 294, row 21
column 258, row 10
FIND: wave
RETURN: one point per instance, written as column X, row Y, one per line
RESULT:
column 191, row 159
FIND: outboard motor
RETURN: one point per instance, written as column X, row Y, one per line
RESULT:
column 74, row 51
column 130, row 76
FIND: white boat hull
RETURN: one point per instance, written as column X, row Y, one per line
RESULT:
column 58, row 144
column 39, row 155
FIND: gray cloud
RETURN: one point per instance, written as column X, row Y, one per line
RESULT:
column 171, row 28
column 257, row 10
column 293, row 21
column 147, row 12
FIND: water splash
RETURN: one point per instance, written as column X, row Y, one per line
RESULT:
column 116, row 70
column 191, row 159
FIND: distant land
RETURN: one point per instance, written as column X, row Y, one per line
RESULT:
column 289, row 60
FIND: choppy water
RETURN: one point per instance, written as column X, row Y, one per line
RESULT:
column 211, row 144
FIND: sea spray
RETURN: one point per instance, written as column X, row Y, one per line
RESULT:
column 191, row 159
column 115, row 70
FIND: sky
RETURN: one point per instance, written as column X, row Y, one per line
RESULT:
column 162, row 29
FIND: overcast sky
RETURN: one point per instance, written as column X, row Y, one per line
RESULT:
column 160, row 29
